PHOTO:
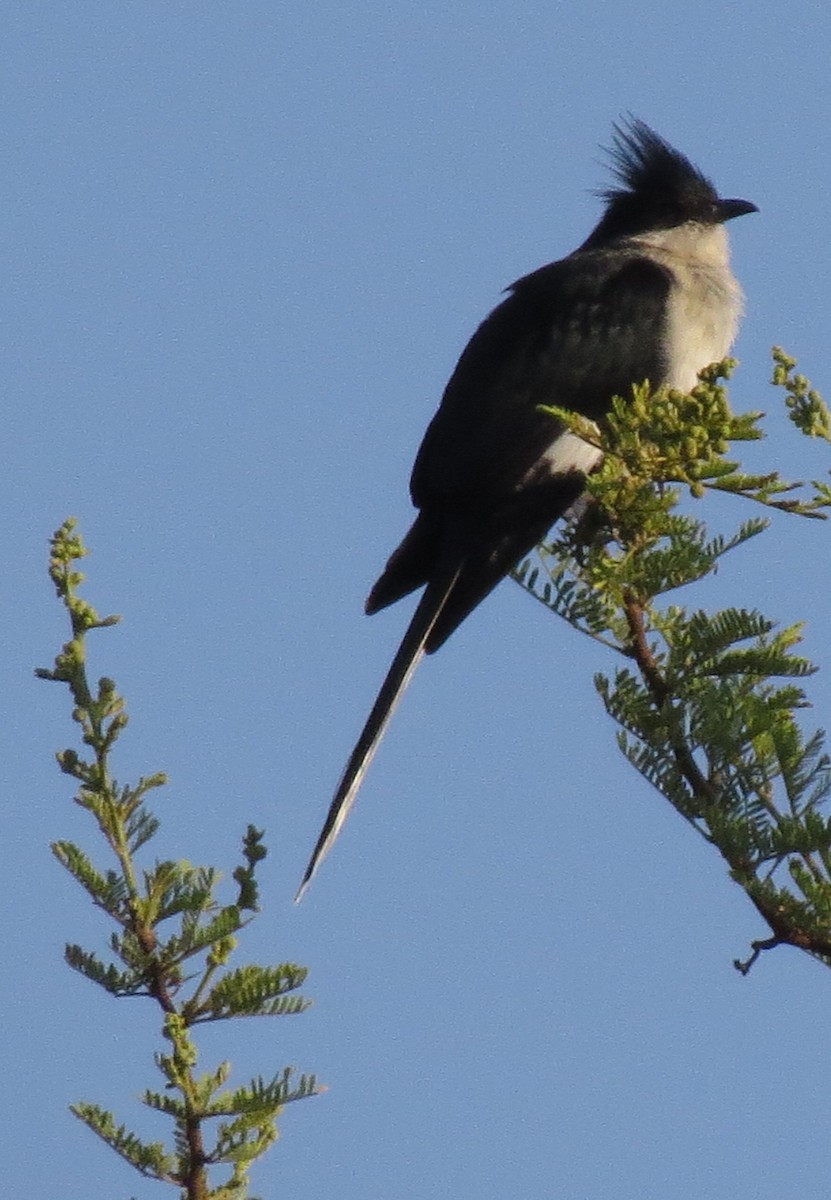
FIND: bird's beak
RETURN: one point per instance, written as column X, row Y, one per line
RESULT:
column 728, row 209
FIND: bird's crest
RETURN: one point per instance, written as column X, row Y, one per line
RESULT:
column 649, row 168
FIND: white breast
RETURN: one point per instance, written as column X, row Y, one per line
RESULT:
column 706, row 302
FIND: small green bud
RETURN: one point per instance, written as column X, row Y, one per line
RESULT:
column 68, row 761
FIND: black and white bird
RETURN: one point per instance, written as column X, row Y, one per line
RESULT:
column 648, row 296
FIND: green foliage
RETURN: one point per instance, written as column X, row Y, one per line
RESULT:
column 182, row 968
column 707, row 703
column 150, row 1158
column 253, row 991
column 806, row 408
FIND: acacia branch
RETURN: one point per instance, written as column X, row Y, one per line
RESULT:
column 786, row 930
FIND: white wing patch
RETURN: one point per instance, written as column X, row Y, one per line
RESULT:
column 568, row 453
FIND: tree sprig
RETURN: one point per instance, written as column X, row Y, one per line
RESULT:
column 707, row 704
column 172, row 940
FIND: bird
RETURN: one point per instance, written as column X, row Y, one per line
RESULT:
column 649, row 296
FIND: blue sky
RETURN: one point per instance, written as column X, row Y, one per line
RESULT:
column 244, row 245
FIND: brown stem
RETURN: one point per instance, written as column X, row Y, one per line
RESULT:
column 641, row 651
column 196, row 1180
column 743, row 967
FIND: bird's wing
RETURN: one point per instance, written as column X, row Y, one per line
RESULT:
column 574, row 333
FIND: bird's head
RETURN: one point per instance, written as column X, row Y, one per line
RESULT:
column 657, row 188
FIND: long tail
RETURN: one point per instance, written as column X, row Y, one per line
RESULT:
column 410, row 654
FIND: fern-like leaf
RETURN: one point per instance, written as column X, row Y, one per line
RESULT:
column 107, row 976
column 254, row 991
column 150, row 1158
